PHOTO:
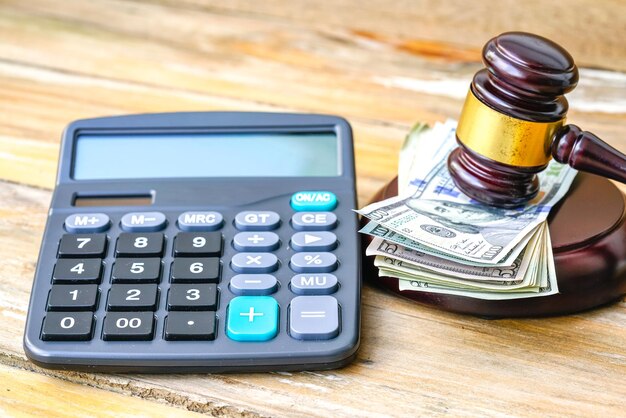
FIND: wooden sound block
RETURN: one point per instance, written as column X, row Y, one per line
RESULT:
column 588, row 232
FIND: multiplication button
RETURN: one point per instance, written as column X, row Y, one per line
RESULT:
column 314, row 318
column 314, row 221
column 254, row 263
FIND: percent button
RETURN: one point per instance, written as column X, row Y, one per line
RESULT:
column 313, row 262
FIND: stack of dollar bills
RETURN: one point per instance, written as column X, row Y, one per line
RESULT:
column 433, row 238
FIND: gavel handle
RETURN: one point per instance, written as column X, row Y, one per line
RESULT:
column 586, row 152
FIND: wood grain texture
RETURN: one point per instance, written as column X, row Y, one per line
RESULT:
column 382, row 65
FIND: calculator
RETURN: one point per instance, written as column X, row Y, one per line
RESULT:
column 200, row 242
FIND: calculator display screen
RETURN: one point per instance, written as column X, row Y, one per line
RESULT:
column 137, row 156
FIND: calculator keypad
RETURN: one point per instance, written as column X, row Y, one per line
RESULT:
column 81, row 297
column 77, row 270
column 128, row 326
column 136, row 270
column 82, row 245
column 67, row 326
column 132, row 297
column 195, row 270
column 141, row 244
column 198, row 244
column 135, row 290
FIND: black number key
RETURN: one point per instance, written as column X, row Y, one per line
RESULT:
column 194, row 270
column 129, row 244
column 132, row 297
column 82, row 245
column 198, row 244
column 67, row 326
column 190, row 326
column 136, row 270
column 192, row 297
column 79, row 270
column 128, row 326
column 73, row 297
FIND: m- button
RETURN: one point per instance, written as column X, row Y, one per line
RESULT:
column 143, row 221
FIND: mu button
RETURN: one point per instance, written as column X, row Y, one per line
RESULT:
column 252, row 318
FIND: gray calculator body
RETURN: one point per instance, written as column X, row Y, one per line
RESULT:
column 317, row 316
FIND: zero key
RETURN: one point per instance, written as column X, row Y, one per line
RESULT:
column 67, row 326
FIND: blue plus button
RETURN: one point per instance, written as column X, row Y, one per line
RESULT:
column 252, row 318
column 313, row 201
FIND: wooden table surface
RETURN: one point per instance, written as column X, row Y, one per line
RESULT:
column 383, row 65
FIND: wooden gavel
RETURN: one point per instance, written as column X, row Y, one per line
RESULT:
column 513, row 122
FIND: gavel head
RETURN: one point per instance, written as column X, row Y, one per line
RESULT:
column 513, row 109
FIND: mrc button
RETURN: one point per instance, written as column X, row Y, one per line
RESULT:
column 200, row 221
column 79, row 223
column 313, row 201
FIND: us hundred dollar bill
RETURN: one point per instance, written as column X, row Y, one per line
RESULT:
column 434, row 213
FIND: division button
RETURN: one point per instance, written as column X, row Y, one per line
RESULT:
column 253, row 284
column 181, row 326
column 67, row 326
column 192, row 297
column 257, row 221
column 313, row 262
column 78, row 270
column 132, row 297
column 80, row 297
column 200, row 221
column 79, row 223
column 198, row 244
column 82, row 245
column 314, row 221
column 313, row 201
column 254, row 263
column 313, row 241
column 314, row 318
column 143, row 221
column 314, row 284
column 136, row 270
column 256, row 241
column 128, row 326
column 252, row 318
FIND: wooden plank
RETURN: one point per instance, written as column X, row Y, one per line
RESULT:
column 438, row 28
column 413, row 360
column 60, row 398
column 54, row 70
